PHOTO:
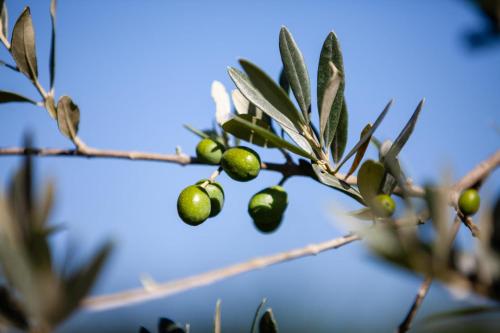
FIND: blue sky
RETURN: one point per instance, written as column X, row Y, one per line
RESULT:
column 141, row 69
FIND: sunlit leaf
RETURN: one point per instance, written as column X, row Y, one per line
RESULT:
column 296, row 70
column 9, row 97
column 405, row 133
column 328, row 122
column 337, row 184
column 52, row 61
column 367, row 136
column 268, row 323
column 330, row 52
column 340, row 139
column 255, row 97
column 243, row 106
column 222, row 102
column 361, row 151
column 370, row 179
column 23, row 45
column 272, row 92
column 241, row 131
column 273, row 138
column 68, row 117
column 4, row 19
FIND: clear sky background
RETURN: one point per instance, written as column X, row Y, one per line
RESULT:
column 141, row 69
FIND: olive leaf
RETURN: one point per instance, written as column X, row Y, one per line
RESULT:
column 267, row 323
column 241, row 131
column 361, row 151
column 283, row 81
column 367, row 136
column 68, row 117
column 334, row 182
column 217, row 318
column 272, row 138
column 4, row 19
column 197, row 132
column 296, row 70
column 328, row 124
column 272, row 92
column 52, row 61
column 166, row 325
column 461, row 312
column 8, row 97
column 256, row 98
column 50, row 106
column 23, row 45
column 243, row 106
column 405, row 133
column 364, row 213
column 257, row 314
column 222, row 102
column 370, row 179
column 340, row 139
column 330, row 53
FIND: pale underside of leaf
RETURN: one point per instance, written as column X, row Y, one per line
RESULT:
column 327, row 121
column 222, row 102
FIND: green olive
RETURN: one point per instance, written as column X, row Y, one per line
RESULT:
column 193, row 205
column 208, row 151
column 383, row 205
column 469, row 202
column 267, row 207
column 216, row 194
column 241, row 163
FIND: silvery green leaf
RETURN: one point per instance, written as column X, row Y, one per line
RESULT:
column 367, row 136
column 340, row 139
column 222, row 102
column 330, row 52
column 256, row 98
column 9, row 97
column 370, row 179
column 22, row 45
column 328, row 123
column 4, row 19
column 268, row 323
column 283, row 80
column 405, row 133
column 243, row 106
column 242, row 131
column 296, row 70
column 334, row 182
column 68, row 117
column 52, row 62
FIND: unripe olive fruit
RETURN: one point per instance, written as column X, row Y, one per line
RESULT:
column 208, row 151
column 241, row 163
column 216, row 194
column 383, row 205
column 267, row 207
column 193, row 205
column 469, row 201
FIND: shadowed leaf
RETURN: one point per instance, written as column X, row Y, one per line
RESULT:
column 340, row 139
column 367, row 136
column 68, row 117
column 242, row 131
column 361, row 151
column 11, row 311
column 268, row 323
column 273, row 138
column 405, row 133
column 283, row 80
column 334, row 182
column 460, row 313
column 52, row 61
column 296, row 70
column 23, row 45
column 330, row 52
column 166, row 325
column 9, row 97
column 257, row 314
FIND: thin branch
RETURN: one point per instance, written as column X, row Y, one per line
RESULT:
column 169, row 288
column 425, row 286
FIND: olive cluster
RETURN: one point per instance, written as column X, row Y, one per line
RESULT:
column 205, row 199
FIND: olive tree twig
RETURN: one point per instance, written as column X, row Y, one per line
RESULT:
column 158, row 290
